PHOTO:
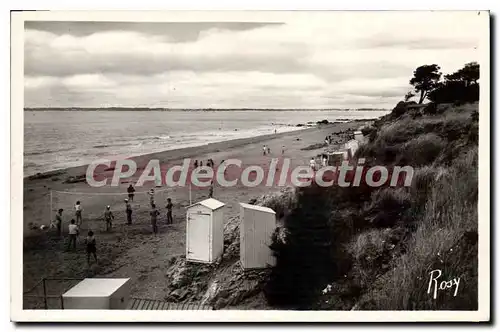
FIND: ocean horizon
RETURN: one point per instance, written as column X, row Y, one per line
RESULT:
column 75, row 138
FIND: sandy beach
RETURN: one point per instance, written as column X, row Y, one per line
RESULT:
column 132, row 251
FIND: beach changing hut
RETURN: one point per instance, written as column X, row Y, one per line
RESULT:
column 204, row 231
column 358, row 136
column 98, row 293
column 257, row 224
column 352, row 146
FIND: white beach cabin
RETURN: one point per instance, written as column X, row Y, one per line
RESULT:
column 204, row 231
column 352, row 146
column 257, row 224
column 358, row 136
column 98, row 293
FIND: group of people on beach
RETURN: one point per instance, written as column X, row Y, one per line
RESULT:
column 210, row 163
column 74, row 231
column 90, row 240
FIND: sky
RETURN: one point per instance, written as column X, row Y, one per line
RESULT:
column 339, row 60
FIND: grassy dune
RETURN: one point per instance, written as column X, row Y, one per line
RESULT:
column 384, row 242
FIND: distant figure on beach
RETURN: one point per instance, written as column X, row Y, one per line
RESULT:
column 130, row 191
column 211, row 189
column 151, row 194
column 170, row 219
column 91, row 247
column 154, row 215
column 283, row 149
column 73, row 232
column 268, row 150
column 196, row 163
column 128, row 211
column 201, row 163
column 78, row 213
column 58, row 223
column 324, row 162
column 312, row 163
column 275, row 131
column 108, row 218
column 326, row 140
column 264, row 150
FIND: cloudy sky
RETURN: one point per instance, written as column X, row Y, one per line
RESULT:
column 348, row 60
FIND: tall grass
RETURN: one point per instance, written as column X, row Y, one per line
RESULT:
column 446, row 239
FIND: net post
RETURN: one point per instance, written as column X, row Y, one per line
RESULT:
column 50, row 205
column 45, row 294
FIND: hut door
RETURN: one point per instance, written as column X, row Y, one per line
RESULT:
column 199, row 236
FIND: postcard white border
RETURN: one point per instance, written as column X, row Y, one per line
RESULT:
column 17, row 73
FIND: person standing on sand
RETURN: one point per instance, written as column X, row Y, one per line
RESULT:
column 196, row 163
column 312, row 163
column 324, row 161
column 59, row 221
column 108, row 217
column 91, row 247
column 73, row 232
column 268, row 150
column 211, row 189
column 264, row 150
column 130, row 191
column 170, row 219
column 128, row 211
column 151, row 194
column 283, row 150
column 154, row 218
column 78, row 213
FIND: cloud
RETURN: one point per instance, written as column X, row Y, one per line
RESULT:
column 302, row 63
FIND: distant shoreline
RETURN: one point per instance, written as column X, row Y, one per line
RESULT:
column 161, row 109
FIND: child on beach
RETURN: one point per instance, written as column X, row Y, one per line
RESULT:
column 108, row 217
column 211, row 189
column 128, row 211
column 73, row 232
column 312, row 163
column 130, row 191
column 91, row 246
column 154, row 215
column 170, row 219
column 78, row 213
column 264, row 150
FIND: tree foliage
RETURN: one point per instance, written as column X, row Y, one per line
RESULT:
column 425, row 79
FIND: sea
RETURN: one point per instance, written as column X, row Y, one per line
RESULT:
column 60, row 139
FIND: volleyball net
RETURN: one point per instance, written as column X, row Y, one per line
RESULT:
column 94, row 204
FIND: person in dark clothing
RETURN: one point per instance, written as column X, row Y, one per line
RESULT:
column 128, row 211
column 211, row 189
column 91, row 247
column 108, row 217
column 154, row 218
column 170, row 219
column 59, row 221
column 130, row 191
column 196, row 163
